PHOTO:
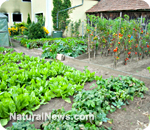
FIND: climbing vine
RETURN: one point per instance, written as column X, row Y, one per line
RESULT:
column 63, row 16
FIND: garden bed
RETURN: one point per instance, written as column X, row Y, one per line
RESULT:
column 72, row 47
column 109, row 94
column 125, row 118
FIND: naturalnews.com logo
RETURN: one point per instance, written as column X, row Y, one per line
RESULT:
column 45, row 116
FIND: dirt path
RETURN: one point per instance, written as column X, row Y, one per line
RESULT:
column 138, row 67
column 31, row 52
column 123, row 119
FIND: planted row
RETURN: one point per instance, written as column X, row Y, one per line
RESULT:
column 120, row 36
column 28, row 82
column 69, row 47
column 51, row 46
column 109, row 95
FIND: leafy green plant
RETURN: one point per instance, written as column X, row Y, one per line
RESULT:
column 22, row 125
column 41, row 19
column 67, row 46
column 5, row 50
column 76, row 27
column 109, row 95
column 36, row 31
column 28, row 82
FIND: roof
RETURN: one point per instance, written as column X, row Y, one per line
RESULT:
column 118, row 5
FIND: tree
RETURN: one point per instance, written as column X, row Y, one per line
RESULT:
column 28, row 20
column 63, row 16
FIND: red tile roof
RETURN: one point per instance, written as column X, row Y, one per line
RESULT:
column 118, row 5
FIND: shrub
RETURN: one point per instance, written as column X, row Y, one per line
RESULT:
column 41, row 20
column 17, row 29
column 28, row 20
column 36, row 31
column 13, row 31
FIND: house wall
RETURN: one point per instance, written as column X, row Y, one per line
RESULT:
column 79, row 12
column 12, row 6
column 45, row 7
column 38, row 6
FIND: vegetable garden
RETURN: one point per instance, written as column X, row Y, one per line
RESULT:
column 29, row 82
column 119, row 37
column 123, row 39
column 52, row 46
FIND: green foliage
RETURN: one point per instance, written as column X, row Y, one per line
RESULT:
column 66, row 123
column 148, row 69
column 36, row 31
column 18, row 29
column 41, row 19
column 28, row 19
column 22, row 125
column 26, row 32
column 63, row 16
column 77, row 25
column 19, row 24
column 5, row 50
column 75, row 28
column 28, row 82
column 36, row 43
column 125, row 34
column 109, row 95
column 72, row 29
column 67, row 46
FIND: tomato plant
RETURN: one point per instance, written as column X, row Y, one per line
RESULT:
column 120, row 36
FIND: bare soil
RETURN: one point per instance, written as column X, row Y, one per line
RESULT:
column 127, row 117
column 123, row 119
column 134, row 66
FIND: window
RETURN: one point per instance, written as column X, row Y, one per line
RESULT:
column 26, row 0
column 7, row 16
column 17, row 18
column 37, row 15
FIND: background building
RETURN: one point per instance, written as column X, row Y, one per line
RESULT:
column 17, row 10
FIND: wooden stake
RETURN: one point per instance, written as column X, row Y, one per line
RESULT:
column 101, row 15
